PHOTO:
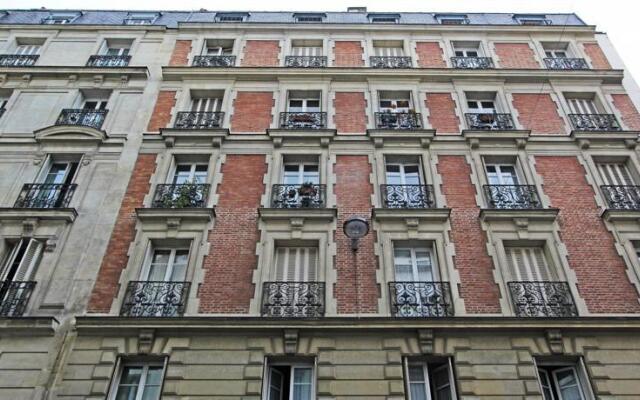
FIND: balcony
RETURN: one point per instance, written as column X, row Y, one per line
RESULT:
column 199, row 119
column 407, row 196
column 566, row 63
column 402, row 121
column 45, row 195
column 82, row 117
column 490, row 121
column 108, row 61
column 420, row 299
column 542, row 299
column 512, row 197
column 390, row 62
column 293, row 299
column 298, row 196
column 155, row 299
column 214, row 61
column 303, row 120
column 187, row 195
column 305, row 61
column 18, row 60
column 622, row 197
column 594, row 122
column 472, row 62
column 14, row 297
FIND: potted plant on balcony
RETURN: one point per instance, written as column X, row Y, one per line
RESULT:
column 307, row 192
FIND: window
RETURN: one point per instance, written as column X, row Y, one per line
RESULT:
column 27, row 47
column 501, row 174
column 206, row 104
column 388, row 48
column 141, row 18
column 481, row 103
column 309, row 17
column 298, row 173
column 615, row 174
column 303, row 101
column 532, row 19
column 231, row 17
column 430, row 380
column 560, row 380
column 21, row 261
column 115, row 47
column 296, row 264
column 138, row 380
column 395, row 101
column 556, row 49
column 60, row 18
column 452, row 19
column 166, row 264
column 384, row 18
column 59, row 171
column 466, row 49
column 4, row 100
column 306, row 48
column 97, row 104
column 529, row 264
column 403, row 171
column 190, row 173
column 218, row 47
column 582, row 104
column 414, row 264
column 292, row 381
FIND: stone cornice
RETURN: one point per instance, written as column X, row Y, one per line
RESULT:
column 28, row 326
column 74, row 73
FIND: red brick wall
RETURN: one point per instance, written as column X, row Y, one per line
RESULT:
column 162, row 110
column 348, row 54
column 430, row 55
column 116, row 258
column 475, row 267
column 516, row 55
column 261, row 53
column 595, row 53
column 538, row 113
column 229, row 267
column 601, row 272
column 356, row 289
column 442, row 113
column 350, row 114
column 180, row 54
column 252, row 112
column 628, row 110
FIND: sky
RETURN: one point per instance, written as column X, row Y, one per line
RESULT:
column 618, row 18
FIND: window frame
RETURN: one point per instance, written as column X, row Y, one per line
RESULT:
column 141, row 18
column 460, row 19
column 292, row 365
column 63, row 18
column 123, row 362
column 231, row 17
column 169, row 269
column 554, row 364
column 413, row 250
column 447, row 361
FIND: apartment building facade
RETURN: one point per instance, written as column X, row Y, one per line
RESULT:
column 355, row 205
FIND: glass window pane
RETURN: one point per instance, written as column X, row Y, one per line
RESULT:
column 154, row 376
column 131, row 375
column 126, row 393
column 151, row 393
column 566, row 378
column 416, row 373
column 418, row 391
column 571, row 393
column 302, row 376
column 472, row 53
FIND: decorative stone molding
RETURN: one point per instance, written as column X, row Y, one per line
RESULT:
column 555, row 340
column 383, row 137
column 290, row 338
column 426, row 339
column 179, row 137
column 145, row 340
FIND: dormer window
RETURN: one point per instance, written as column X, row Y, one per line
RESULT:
column 231, row 17
column 532, row 19
column 60, row 18
column 452, row 19
column 384, row 18
column 309, row 17
column 141, row 18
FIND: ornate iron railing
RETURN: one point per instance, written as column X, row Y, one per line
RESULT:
column 472, row 62
column 390, row 62
column 298, row 196
column 45, row 195
column 490, row 121
column 82, row 117
column 305, row 61
column 542, row 299
column 421, row 299
column 389, row 120
column 566, row 63
column 155, row 299
column 18, row 60
column 512, row 197
column 293, row 299
column 407, row 196
column 199, row 119
column 14, row 297
column 186, row 195
column 214, row 61
column 303, row 120
column 594, row 122
column 622, row 197
column 105, row 61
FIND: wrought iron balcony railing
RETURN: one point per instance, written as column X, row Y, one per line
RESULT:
column 214, row 61
column 490, row 121
column 105, row 61
column 18, row 60
column 186, row 195
column 390, row 62
column 155, row 299
column 298, row 196
column 622, row 197
column 472, row 62
column 14, row 297
column 512, row 197
column 566, row 63
column 45, row 195
column 404, row 121
column 305, row 61
column 293, row 299
column 199, row 119
column 542, row 299
column 594, row 122
column 82, row 117
column 303, row 120
column 421, row 299
column 407, row 196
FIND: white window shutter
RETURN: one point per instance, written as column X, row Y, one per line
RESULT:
column 281, row 259
column 10, row 260
column 29, row 261
column 312, row 265
column 529, row 264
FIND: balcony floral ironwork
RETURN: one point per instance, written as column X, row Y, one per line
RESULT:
column 566, row 63
column 306, row 195
column 472, row 62
column 622, row 197
column 186, row 195
column 490, row 121
column 155, row 299
column 402, row 121
column 199, row 119
column 108, row 61
column 421, row 299
column 542, row 299
column 14, row 297
column 512, row 197
column 222, row 61
column 82, row 117
column 303, row 120
column 293, row 299
column 305, row 61
column 407, row 196
column 390, row 62
column 45, row 195
column 594, row 122
column 18, row 60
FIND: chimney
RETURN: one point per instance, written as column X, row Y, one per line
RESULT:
column 357, row 9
